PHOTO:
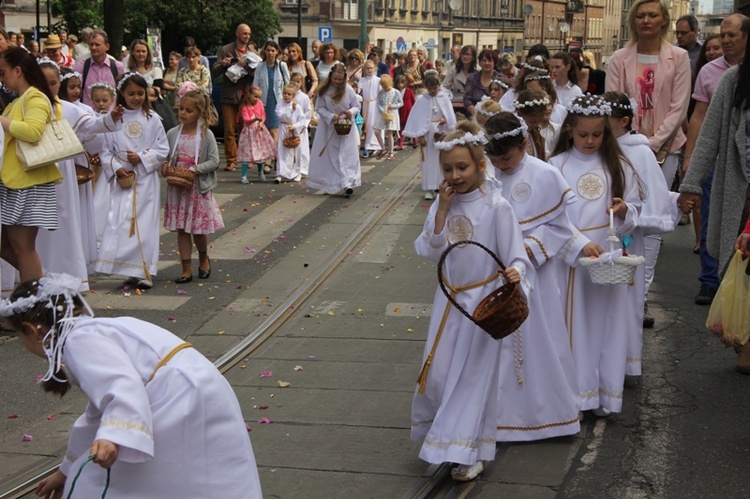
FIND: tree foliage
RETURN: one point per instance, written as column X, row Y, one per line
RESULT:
column 211, row 22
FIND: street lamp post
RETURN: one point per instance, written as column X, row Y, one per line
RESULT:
column 503, row 14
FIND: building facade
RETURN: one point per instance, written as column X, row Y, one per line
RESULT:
column 19, row 16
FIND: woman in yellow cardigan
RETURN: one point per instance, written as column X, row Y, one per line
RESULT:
column 27, row 198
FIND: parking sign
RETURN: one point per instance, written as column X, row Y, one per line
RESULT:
column 325, row 34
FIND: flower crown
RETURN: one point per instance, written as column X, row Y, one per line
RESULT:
column 534, row 68
column 47, row 60
column 100, row 84
column 499, row 82
column 523, row 130
column 52, row 286
column 481, row 110
column 74, row 74
column 631, row 106
column 537, row 77
column 468, row 138
column 588, row 105
column 125, row 78
column 531, row 103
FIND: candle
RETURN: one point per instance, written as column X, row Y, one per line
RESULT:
column 612, row 218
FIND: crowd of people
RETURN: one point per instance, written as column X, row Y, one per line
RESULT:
column 549, row 163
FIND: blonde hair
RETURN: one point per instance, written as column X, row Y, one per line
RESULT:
column 386, row 80
column 291, row 87
column 206, row 111
column 465, row 127
column 634, row 11
column 489, row 108
column 297, row 77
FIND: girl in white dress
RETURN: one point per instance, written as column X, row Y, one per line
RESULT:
column 103, row 100
column 292, row 123
column 160, row 416
column 130, row 243
column 72, row 248
column 368, row 87
column 531, row 106
column 389, row 102
column 334, row 159
column 431, row 117
column 595, row 168
column 655, row 218
column 455, row 406
column 538, row 395
column 303, row 101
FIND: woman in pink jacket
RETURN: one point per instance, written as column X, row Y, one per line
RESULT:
column 657, row 75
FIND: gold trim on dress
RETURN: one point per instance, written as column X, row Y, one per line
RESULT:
column 541, row 246
column 551, row 210
column 604, row 391
column 589, row 394
column 461, row 443
column 541, row 427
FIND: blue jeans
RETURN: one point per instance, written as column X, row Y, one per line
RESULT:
column 709, row 266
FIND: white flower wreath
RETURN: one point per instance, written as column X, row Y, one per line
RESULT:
column 499, row 82
column 594, row 105
column 523, row 130
column 74, row 74
column 125, row 78
column 537, row 77
column 531, row 103
column 53, row 285
column 467, row 138
column 47, row 60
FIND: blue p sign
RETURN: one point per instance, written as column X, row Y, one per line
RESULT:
column 325, row 34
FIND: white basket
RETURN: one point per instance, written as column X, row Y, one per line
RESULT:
column 619, row 271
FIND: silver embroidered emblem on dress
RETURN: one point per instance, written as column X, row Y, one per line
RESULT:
column 521, row 191
column 590, row 186
column 134, row 130
column 460, row 228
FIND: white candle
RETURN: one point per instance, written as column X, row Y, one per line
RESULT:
column 612, row 219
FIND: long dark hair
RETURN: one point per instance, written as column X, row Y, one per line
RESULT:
column 32, row 73
column 41, row 313
column 567, row 60
column 702, row 60
column 611, row 155
column 135, row 79
column 621, row 107
column 472, row 65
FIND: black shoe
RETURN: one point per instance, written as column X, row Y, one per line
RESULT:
column 648, row 319
column 705, row 296
column 204, row 274
column 184, row 279
column 348, row 192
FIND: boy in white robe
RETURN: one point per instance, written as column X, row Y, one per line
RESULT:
column 368, row 87
column 304, row 136
column 292, row 123
column 431, row 117
column 538, row 396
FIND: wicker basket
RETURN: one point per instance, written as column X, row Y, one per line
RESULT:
column 499, row 313
column 343, row 127
column 83, row 174
column 619, row 271
column 291, row 142
column 127, row 181
column 388, row 116
column 179, row 177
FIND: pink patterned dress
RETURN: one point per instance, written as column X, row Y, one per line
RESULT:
column 188, row 209
column 256, row 143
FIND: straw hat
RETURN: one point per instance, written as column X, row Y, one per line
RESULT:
column 52, row 42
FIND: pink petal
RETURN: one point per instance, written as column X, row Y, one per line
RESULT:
column 51, row 417
column 310, row 356
column 262, row 407
column 266, row 374
column 249, row 428
column 38, row 378
column 27, row 438
column 12, row 416
column 181, row 291
column 265, row 421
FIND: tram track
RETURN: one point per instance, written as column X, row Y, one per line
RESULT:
column 279, row 317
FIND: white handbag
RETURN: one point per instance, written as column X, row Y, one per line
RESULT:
column 58, row 142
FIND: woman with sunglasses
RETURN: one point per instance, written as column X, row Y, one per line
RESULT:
column 355, row 67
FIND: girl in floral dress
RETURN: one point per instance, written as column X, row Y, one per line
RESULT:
column 256, row 144
column 194, row 211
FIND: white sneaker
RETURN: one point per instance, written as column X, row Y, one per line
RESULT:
column 466, row 473
column 601, row 412
column 277, row 180
column 429, row 196
column 145, row 284
column 297, row 178
column 244, row 180
column 262, row 177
